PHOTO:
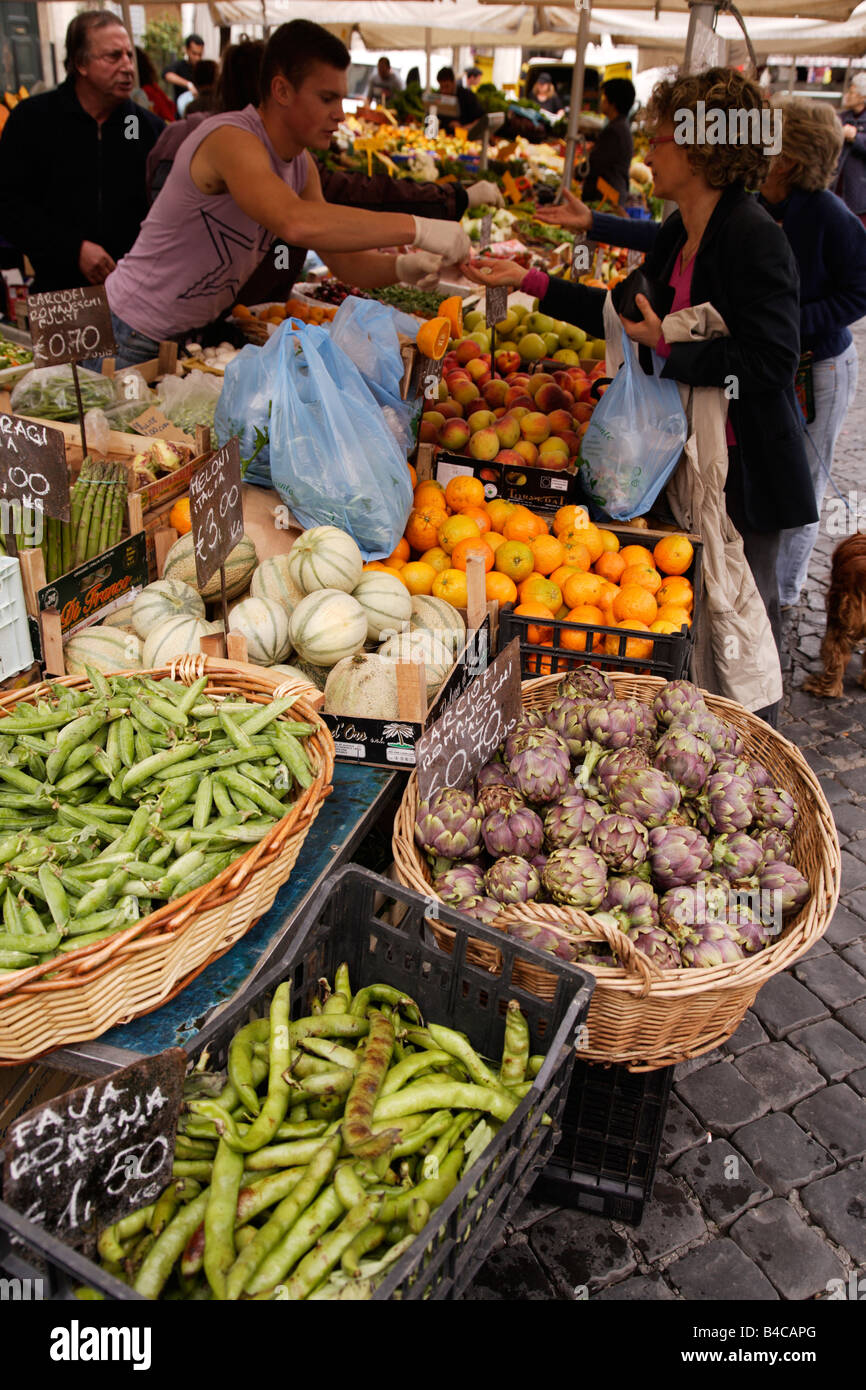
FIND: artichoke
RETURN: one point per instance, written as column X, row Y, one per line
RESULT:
column 457, row 884
column 567, row 718
column 750, row 933
column 759, row 775
column 775, row 809
column 685, row 758
column 706, row 726
column 499, row 798
column 517, row 831
column 778, row 877
column 621, row 841
column 715, row 944
column 736, row 855
column 646, row 794
column 678, row 854
column 658, row 945
column 570, row 821
column 615, row 763
column 576, row 877
column 587, row 682
column 728, row 802
column 609, row 726
column 775, row 844
column 493, row 774
column 512, row 880
column 485, row 909
column 448, row 825
column 644, row 718
column 526, row 735
column 632, row 901
column 544, row 938
column 542, row 773
column 686, row 910
column 676, row 699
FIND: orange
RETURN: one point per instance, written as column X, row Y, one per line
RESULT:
column 637, row 555
column 400, row 554
column 498, row 510
column 523, row 525
column 452, row 310
column 375, row 565
column 494, row 540
column 240, row 311
column 454, row 529
column 413, row 475
column 561, row 574
column 569, row 518
column 583, row 587
column 472, row 546
column 463, row 492
column 499, row 588
column 634, row 601
column 179, row 516
column 433, row 337
column 610, row 565
column 422, row 528
column 538, row 665
column 588, row 534
column 676, row 590
column 436, row 558
column 537, row 589
column 386, row 569
column 535, row 633
column 609, row 540
column 576, row 555
column 429, row 494
column 480, row 516
column 580, row 641
column 636, row 649
column 672, row 613
column 605, row 600
column 673, row 554
column 663, row 625
column 451, row 585
column 515, row 559
column 549, row 553
column 646, row 575
column 418, row 577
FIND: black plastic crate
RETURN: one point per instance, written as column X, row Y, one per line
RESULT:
column 378, row 927
column 612, row 1128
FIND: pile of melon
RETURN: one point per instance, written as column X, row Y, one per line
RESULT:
column 348, row 627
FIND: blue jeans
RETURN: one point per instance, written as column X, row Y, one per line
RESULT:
column 132, row 346
column 835, row 381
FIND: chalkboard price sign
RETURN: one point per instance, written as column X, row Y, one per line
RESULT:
column 215, row 510
column 495, row 304
column 70, row 325
column 33, row 470
column 468, row 733
column 78, row 1163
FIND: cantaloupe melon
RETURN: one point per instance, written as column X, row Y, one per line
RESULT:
column 240, row 565
column 120, row 618
column 325, row 558
column 165, row 598
column 326, row 626
column 386, row 601
column 436, row 615
column 364, row 686
column 104, row 648
column 272, row 580
column 294, row 673
column 421, row 646
column 265, row 626
column 316, row 675
column 175, row 637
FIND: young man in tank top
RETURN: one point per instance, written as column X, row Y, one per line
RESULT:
column 243, row 177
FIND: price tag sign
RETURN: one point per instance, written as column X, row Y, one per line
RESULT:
column 70, row 325
column 495, row 304
column 151, row 422
column 470, row 730
column 78, row 1163
column 33, row 471
column 215, row 510
column 486, row 230
column 581, row 256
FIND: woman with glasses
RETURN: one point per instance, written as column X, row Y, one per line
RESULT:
column 720, row 247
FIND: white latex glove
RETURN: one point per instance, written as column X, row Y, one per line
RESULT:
column 420, row 269
column 445, row 239
column 484, row 192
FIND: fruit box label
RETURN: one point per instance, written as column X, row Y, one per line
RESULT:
column 87, row 594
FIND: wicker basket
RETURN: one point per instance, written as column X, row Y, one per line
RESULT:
column 139, row 968
column 639, row 1015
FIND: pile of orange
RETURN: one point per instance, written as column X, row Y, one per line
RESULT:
column 572, row 569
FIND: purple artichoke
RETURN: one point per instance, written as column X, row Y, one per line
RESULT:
column 485, row 909
column 678, row 853
column 621, row 841
column 706, row 725
column 576, row 877
column 512, row 880
column 686, row 910
column 685, row 758
column 493, row 774
column 544, row 938
column 775, row 844
column 728, row 801
column 729, row 762
column 750, row 933
column 457, row 884
column 675, row 700
column 759, row 775
column 513, row 832
column 587, row 682
column 646, row 794
column 448, row 825
column 644, row 718
column 736, row 855
column 542, row 773
column 615, row 763
column 609, row 726
column 659, row 946
column 499, row 798
column 538, row 862
column 715, row 944
column 632, row 901
column 525, row 735
column 783, row 878
column 570, row 821
column 775, row 809
column 567, row 718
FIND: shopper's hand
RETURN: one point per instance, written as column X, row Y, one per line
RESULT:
column 648, row 331
column 849, row 131
column 445, row 239
column 420, row 269
column 484, row 192
column 494, row 272
column 572, row 214
column 94, row 262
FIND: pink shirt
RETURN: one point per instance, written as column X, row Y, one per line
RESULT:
column 195, row 250
column 681, row 284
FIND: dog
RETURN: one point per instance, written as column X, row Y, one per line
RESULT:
column 846, row 617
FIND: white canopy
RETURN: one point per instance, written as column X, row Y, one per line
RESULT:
column 662, row 40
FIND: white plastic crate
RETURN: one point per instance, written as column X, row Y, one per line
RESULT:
column 16, row 651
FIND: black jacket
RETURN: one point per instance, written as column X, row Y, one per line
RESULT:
column 66, row 179
column 609, row 159
column 746, row 269
column 850, row 182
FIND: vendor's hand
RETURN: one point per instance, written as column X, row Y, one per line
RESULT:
column 849, row 131
column 484, row 192
column 419, row 269
column 94, row 262
column 494, row 272
column 572, row 214
column 445, row 239
column 648, row 331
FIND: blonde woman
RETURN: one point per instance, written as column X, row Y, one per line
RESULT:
column 829, row 243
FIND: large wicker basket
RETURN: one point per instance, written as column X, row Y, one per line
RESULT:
column 639, row 1015
column 88, row 991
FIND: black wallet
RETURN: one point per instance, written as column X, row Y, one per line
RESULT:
column 623, row 296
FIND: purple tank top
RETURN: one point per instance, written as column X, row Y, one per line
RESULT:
column 195, row 250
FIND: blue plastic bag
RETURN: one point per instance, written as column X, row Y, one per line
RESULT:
column 367, row 332
column 244, row 408
column 634, row 439
column 333, row 458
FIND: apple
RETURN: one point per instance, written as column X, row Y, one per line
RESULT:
column 474, row 319
column 481, row 337
column 527, row 451
column 571, row 337
column 454, row 435
column 534, row 427
column 520, row 311
column 506, row 327
column 494, row 393
column 510, row 457
column 507, row 360
column 452, row 410
column 466, row 349
column 465, row 392
column 508, row 431
column 484, row 444
column 531, row 347
column 539, row 323
column 551, row 344
column 480, row 420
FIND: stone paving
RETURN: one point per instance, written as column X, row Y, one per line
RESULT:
column 774, row 1206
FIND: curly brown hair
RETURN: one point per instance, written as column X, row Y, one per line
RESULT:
column 811, row 137
column 719, row 89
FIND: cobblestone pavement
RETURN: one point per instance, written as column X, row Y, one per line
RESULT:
column 775, row 1206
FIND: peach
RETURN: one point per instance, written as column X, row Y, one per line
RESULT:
column 454, row 435
column 508, row 431
column 563, row 380
column 553, row 459
column 534, row 427
column 478, row 370
column 494, row 393
column 465, row 392
column 435, row 417
column 536, row 382
column 527, row 451
column 484, row 444
column 507, row 361
column 466, row 350
column 549, row 398
column 500, row 411
column 510, row 458
column 572, row 439
column 480, row 420
column 581, row 411
column 428, row 433
column 452, row 410
column 559, row 420
column 518, row 411
column 517, row 396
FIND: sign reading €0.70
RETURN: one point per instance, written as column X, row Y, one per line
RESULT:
column 70, row 325
column 215, row 510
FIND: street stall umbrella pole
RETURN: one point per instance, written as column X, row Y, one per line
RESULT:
column 576, row 99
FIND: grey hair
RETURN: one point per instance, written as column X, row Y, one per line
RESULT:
column 858, row 82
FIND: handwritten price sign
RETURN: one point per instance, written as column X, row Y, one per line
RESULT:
column 215, row 510
column 33, row 469
column 468, row 733
column 70, row 325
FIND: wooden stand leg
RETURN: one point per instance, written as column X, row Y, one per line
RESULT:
column 52, row 642
column 412, row 691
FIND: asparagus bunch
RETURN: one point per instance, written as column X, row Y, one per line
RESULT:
column 98, row 500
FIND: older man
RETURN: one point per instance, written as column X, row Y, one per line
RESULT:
column 850, row 182
column 72, row 161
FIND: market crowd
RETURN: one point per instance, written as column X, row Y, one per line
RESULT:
column 179, row 223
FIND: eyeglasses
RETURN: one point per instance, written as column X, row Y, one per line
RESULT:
column 656, row 140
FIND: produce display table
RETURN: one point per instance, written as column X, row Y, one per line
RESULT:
column 362, row 796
